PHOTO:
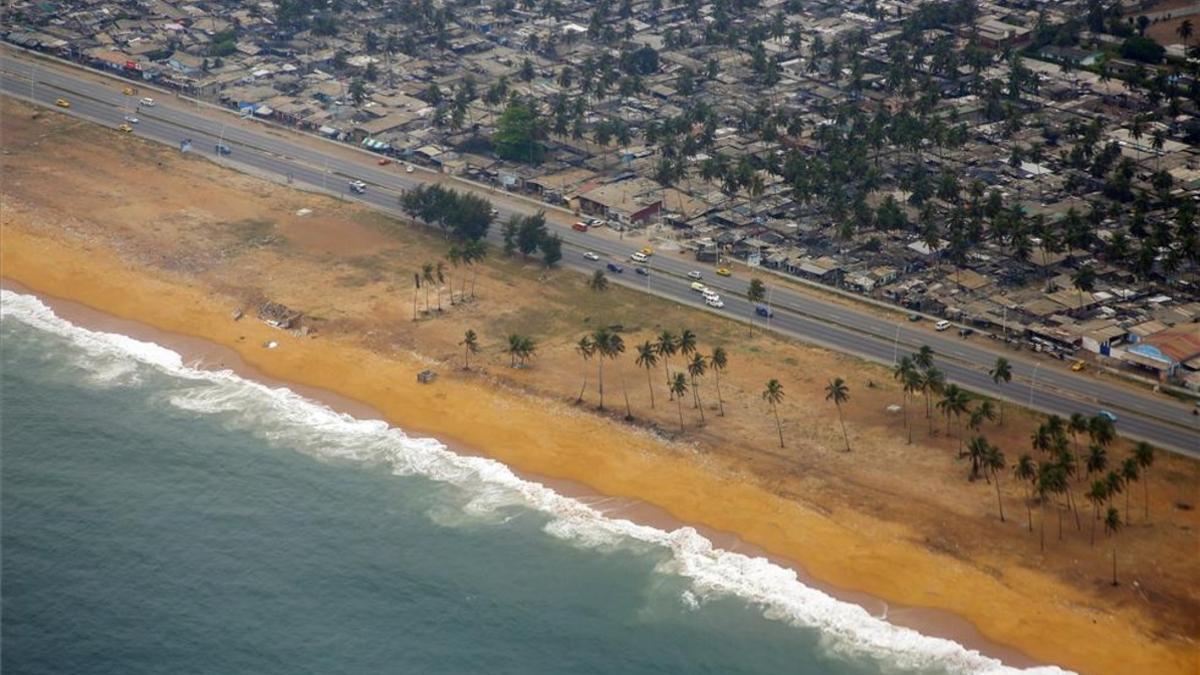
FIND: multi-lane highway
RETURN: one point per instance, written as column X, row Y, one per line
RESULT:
column 315, row 163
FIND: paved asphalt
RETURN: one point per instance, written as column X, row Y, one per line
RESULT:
column 273, row 153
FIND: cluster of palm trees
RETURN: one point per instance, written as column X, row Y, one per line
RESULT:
column 437, row 275
column 918, row 374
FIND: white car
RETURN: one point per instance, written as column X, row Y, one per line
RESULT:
column 591, row 256
column 358, row 186
column 695, row 275
column 699, row 287
column 710, row 294
column 131, row 119
column 638, row 256
column 148, row 102
column 941, row 325
column 408, row 168
column 714, row 301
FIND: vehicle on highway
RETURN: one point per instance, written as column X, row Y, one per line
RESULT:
column 763, row 310
column 128, row 91
column 699, row 287
column 647, row 251
column 638, row 256
column 595, row 222
column 942, row 325
column 63, row 103
column 131, row 119
column 1107, row 415
column 358, row 187
column 642, row 271
column 1078, row 366
column 222, row 149
column 148, row 102
column 494, row 213
column 966, row 332
column 615, row 268
column 914, row 317
column 714, row 301
column 126, row 128
column 408, row 168
column 695, row 275
column 384, row 161
column 724, row 272
column 580, row 227
column 591, row 256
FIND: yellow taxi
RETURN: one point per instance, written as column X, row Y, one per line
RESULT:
column 724, row 272
column 1078, row 366
column 647, row 251
column 63, row 103
column 128, row 91
column 126, row 128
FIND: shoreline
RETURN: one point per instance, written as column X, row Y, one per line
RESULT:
column 208, row 355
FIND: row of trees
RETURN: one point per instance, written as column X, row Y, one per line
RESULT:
column 437, row 275
column 463, row 215
column 528, row 235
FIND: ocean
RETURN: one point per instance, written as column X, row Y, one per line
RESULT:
column 163, row 519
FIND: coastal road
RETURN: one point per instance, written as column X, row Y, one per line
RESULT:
column 314, row 163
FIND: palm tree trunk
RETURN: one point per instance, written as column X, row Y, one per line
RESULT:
column 699, row 403
column 628, row 408
column 1127, row 506
column 650, row 386
column 778, row 424
column 1114, row 559
column 1146, row 497
column 1029, row 506
column 679, row 404
column 720, row 402
column 999, row 502
column 1095, row 517
column 1042, row 523
column 843, row 422
column 426, row 298
column 579, row 399
column 439, row 297
column 601, row 383
column 667, row 370
column 1059, row 521
column 415, row 295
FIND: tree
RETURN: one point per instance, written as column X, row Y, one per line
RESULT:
column 1112, row 525
column 647, row 358
column 1143, row 452
column 666, row 345
column 1076, row 425
column 598, row 282
column 1084, row 279
column 1097, row 495
column 440, row 273
column 1101, row 430
column 773, row 395
column 427, row 271
column 357, row 91
column 993, row 460
column 1001, row 372
column 1184, row 31
column 531, row 232
column 1129, row 476
column 977, row 448
column 755, row 295
column 605, row 342
column 696, row 369
column 955, row 401
column 517, row 133
column 585, row 349
column 686, row 343
column 1026, row 472
column 520, row 347
column 679, row 387
column 839, row 393
column 719, row 361
column 470, row 345
column 551, row 249
column 474, row 251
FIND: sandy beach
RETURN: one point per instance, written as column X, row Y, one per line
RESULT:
column 1023, row 613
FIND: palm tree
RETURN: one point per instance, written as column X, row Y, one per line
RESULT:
column 440, row 271
column 585, row 348
column 977, row 449
column 678, row 388
column 933, row 381
column 1097, row 459
column 754, row 295
column 455, row 256
column 687, row 343
column 1100, row 428
column 427, row 276
column 607, row 345
column 1144, row 454
column 1097, row 495
column 696, row 369
column 719, row 361
column 647, row 357
column 470, row 345
column 1129, row 476
column 1112, row 524
column 514, row 348
column 1184, row 31
column 1026, row 472
column 1084, row 279
column 993, row 460
column 773, row 395
column 1001, row 372
column 902, row 372
column 1078, row 424
column 955, row 401
column 474, row 252
column 598, row 282
column 666, row 345
column 839, row 393
column 924, row 357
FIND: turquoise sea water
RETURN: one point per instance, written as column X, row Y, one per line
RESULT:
column 159, row 519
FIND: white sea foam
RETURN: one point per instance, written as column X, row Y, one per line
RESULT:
column 282, row 415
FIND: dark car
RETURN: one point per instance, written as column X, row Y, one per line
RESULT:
column 763, row 310
column 642, row 271
column 914, row 317
column 615, row 268
column 222, row 149
column 966, row 332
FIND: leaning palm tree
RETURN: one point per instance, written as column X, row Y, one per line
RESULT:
column 719, row 361
column 1112, row 525
column 598, row 282
column 585, row 348
column 1143, row 452
column 1001, row 372
column 603, row 339
column 1026, row 472
column 993, row 460
column 427, row 271
column 1097, row 495
column 647, row 357
column 1129, row 476
column 470, row 345
column 687, row 343
column 838, row 392
column 696, row 369
column 678, row 388
column 773, row 395
column 666, row 346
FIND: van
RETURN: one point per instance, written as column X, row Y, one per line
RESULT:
column 942, row 325
column 699, row 287
column 580, row 227
column 714, row 301
column 638, row 256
